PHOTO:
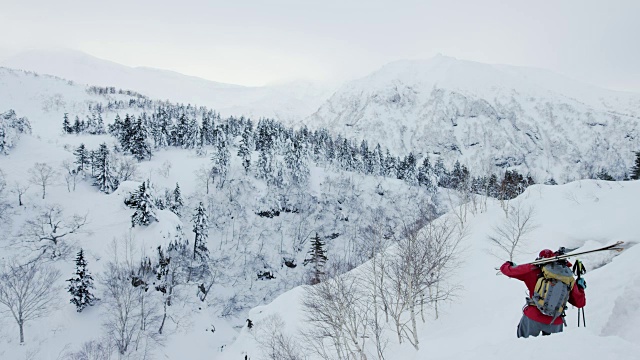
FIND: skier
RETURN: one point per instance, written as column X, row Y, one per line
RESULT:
column 533, row 321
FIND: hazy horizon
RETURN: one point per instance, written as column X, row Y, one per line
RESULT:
column 255, row 43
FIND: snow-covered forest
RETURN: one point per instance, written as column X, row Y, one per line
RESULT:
column 135, row 228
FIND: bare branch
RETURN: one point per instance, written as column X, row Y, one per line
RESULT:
column 27, row 291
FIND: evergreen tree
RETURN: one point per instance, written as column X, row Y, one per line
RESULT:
column 143, row 204
column 378, row 161
column 317, row 257
column 264, row 167
column 441, row 174
column 176, row 202
column 205, row 131
column 191, row 137
column 296, row 163
column 116, row 128
column 201, row 231
column 81, row 285
column 100, row 125
column 390, row 165
column 220, row 159
column 181, row 131
column 77, row 126
column 127, row 133
column 244, row 151
column 66, row 125
column 604, row 175
column 82, row 157
column 635, row 171
column 424, row 174
column 138, row 144
column 105, row 179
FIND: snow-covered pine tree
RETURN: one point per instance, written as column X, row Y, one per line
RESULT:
column 176, row 204
column 105, row 180
column 407, row 170
column 81, row 285
column 297, row 163
column 91, row 125
column 100, row 125
column 317, row 257
column 77, row 126
column 244, row 151
column 66, row 125
column 220, row 159
column 181, row 131
column 441, row 174
column 82, row 157
column 424, row 173
column 264, row 167
column 143, row 203
column 205, row 130
column 635, row 171
column 127, row 133
column 138, row 144
column 378, row 161
column 191, row 137
column 201, row 231
column 604, row 175
column 390, row 165
column 116, row 128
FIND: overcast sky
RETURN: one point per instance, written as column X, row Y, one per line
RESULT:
column 264, row 41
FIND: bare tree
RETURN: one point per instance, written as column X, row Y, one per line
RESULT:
column 338, row 311
column 20, row 189
column 205, row 176
column 508, row 236
column 27, row 291
column 376, row 240
column 49, row 227
column 122, row 320
column 125, row 168
column 41, row 174
column 3, row 185
column 70, row 175
column 130, row 310
column 165, row 169
column 93, row 350
column 276, row 345
column 424, row 254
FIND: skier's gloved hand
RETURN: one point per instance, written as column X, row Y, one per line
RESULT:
column 511, row 263
column 582, row 283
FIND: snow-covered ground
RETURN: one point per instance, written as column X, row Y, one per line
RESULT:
column 479, row 322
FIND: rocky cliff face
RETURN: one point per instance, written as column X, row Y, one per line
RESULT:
column 490, row 117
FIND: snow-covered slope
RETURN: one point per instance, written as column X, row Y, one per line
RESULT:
column 489, row 115
column 242, row 243
column 480, row 322
column 287, row 102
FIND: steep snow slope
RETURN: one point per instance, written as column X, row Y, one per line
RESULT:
column 492, row 116
column 480, row 323
column 241, row 242
column 285, row 102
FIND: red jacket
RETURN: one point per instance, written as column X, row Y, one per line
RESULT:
column 529, row 274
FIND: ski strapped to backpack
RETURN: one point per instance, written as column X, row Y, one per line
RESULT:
column 553, row 288
column 615, row 247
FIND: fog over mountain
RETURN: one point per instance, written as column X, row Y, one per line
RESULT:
column 287, row 102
